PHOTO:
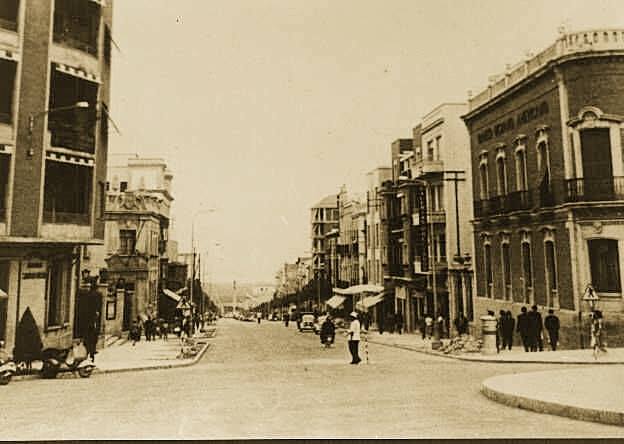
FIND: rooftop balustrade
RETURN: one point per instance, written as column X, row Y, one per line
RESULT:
column 567, row 44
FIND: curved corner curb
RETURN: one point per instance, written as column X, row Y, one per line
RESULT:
column 194, row 361
column 552, row 408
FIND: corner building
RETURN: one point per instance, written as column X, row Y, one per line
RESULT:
column 54, row 94
column 548, row 183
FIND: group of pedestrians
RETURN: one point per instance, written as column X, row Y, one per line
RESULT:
column 530, row 326
column 151, row 328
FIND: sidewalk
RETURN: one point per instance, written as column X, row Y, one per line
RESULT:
column 517, row 355
column 152, row 355
column 589, row 393
column 145, row 355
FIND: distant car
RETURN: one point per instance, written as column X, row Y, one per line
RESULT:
column 319, row 323
column 307, row 322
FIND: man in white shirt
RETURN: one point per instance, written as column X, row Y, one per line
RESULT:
column 354, row 338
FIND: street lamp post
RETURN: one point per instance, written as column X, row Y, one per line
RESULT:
column 198, row 213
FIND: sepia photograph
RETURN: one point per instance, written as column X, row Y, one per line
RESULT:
column 311, row 219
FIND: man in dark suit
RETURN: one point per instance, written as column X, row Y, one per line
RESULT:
column 551, row 322
column 523, row 327
column 535, row 330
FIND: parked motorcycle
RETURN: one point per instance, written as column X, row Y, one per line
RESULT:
column 7, row 366
column 72, row 359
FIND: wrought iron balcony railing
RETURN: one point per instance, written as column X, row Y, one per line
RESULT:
column 595, row 189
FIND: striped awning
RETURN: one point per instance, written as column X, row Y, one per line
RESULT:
column 77, row 72
column 335, row 301
column 176, row 297
column 370, row 301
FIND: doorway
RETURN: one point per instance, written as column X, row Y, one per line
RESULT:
column 597, row 166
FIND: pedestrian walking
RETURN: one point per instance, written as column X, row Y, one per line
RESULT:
column 328, row 332
column 522, row 327
column 135, row 332
column 147, row 327
column 365, row 321
column 597, row 333
column 535, row 330
column 259, row 317
column 551, row 323
column 380, row 324
column 91, row 335
column 428, row 326
column 164, row 330
column 508, row 323
column 398, row 319
column 354, row 338
column 286, row 319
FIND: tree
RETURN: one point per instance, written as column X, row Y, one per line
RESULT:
column 28, row 343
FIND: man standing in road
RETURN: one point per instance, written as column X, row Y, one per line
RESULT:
column 551, row 322
column 354, row 338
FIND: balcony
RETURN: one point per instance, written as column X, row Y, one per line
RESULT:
column 595, row 189
column 426, row 165
column 543, row 197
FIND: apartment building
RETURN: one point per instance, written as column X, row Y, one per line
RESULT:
column 55, row 60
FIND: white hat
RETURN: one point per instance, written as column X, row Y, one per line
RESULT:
column 354, row 314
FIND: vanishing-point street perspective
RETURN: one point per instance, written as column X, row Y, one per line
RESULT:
column 269, row 219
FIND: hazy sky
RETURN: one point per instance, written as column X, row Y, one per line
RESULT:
column 261, row 108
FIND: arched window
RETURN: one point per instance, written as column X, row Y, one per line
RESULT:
column 550, row 269
column 484, row 192
column 506, row 266
column 487, row 266
column 521, row 169
column 527, row 267
column 501, row 176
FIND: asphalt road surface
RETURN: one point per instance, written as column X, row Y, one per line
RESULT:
column 262, row 381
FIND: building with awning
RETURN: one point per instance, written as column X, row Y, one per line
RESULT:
column 335, row 301
column 173, row 295
column 370, row 301
column 359, row 289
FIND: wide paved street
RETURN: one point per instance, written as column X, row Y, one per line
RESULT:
column 269, row 381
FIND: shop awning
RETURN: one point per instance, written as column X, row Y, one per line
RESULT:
column 335, row 301
column 357, row 289
column 176, row 297
column 3, row 294
column 370, row 301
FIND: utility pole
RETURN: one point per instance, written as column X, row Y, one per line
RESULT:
column 456, row 179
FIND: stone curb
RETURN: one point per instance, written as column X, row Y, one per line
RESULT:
column 553, row 408
column 492, row 361
column 98, row 371
column 194, row 361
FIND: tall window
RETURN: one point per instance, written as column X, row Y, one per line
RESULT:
column 438, row 146
column 543, row 163
column 551, row 271
column 487, row 265
column 483, row 182
column 7, row 86
column 501, row 176
column 506, row 264
column 58, row 293
column 521, row 169
column 527, row 271
column 605, row 265
column 441, row 247
column 127, row 241
column 430, row 150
